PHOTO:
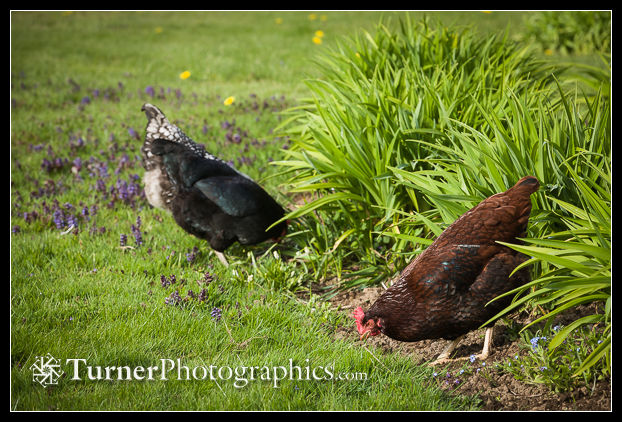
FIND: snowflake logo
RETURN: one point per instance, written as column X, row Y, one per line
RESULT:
column 46, row 370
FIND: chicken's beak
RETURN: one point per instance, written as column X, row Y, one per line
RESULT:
column 365, row 335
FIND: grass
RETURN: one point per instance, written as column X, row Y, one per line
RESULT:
column 103, row 307
column 78, row 82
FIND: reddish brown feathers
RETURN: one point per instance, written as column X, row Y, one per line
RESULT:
column 443, row 293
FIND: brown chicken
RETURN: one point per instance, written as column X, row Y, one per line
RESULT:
column 444, row 292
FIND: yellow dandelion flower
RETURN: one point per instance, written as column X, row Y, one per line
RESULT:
column 548, row 52
column 278, row 21
column 312, row 16
column 357, row 55
column 229, row 101
column 323, row 18
column 158, row 30
column 184, row 75
column 317, row 40
column 319, row 33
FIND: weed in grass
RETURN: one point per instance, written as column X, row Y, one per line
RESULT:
column 557, row 368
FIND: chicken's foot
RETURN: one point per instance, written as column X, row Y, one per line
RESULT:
column 444, row 356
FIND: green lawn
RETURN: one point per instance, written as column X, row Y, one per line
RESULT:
column 78, row 81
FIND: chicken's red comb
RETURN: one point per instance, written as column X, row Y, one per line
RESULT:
column 359, row 314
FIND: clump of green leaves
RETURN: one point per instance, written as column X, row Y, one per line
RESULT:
column 378, row 92
column 556, row 367
column 569, row 32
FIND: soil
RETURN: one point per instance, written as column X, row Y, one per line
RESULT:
column 496, row 390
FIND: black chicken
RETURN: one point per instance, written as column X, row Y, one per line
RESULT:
column 208, row 198
column 443, row 293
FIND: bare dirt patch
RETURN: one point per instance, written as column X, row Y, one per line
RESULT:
column 497, row 390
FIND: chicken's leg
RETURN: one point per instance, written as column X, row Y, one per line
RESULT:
column 222, row 258
column 487, row 344
column 444, row 356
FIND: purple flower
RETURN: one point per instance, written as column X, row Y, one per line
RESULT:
column 132, row 132
column 133, row 189
column 72, row 221
column 100, row 186
column 174, row 299
column 85, row 100
column 15, row 229
column 207, row 278
column 123, row 240
column 535, row 343
column 77, row 165
column 59, row 219
column 138, row 237
column 216, row 314
column 103, row 170
column 190, row 256
column 30, row 216
column 150, row 91
column 54, row 164
column 122, row 190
